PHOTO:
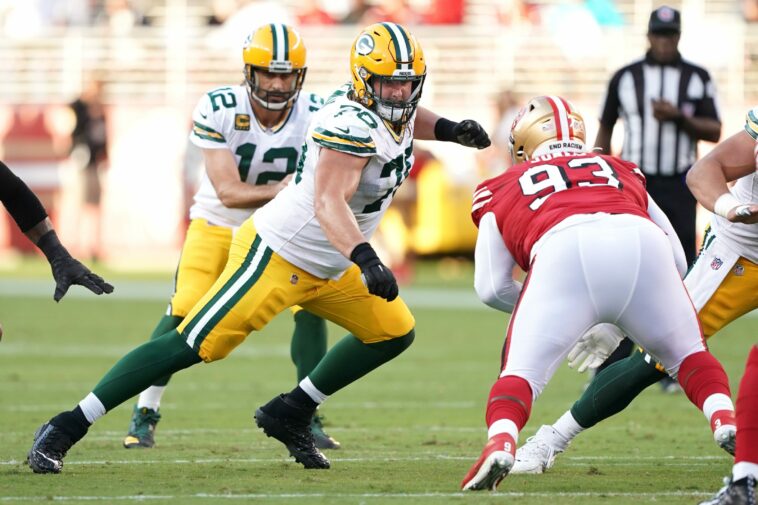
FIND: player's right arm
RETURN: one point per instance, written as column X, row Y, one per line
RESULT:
column 212, row 119
column 493, row 267
column 728, row 161
column 221, row 166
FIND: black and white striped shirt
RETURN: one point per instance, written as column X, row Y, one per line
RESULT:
column 658, row 148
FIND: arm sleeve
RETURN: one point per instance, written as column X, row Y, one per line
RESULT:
column 659, row 218
column 22, row 204
column 493, row 270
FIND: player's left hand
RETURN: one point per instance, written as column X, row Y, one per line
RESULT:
column 747, row 214
column 68, row 271
column 469, row 133
column 595, row 346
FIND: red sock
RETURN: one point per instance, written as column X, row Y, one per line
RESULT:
column 700, row 376
column 510, row 398
column 747, row 412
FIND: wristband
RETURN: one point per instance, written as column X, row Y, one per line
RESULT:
column 444, row 130
column 724, row 204
column 363, row 254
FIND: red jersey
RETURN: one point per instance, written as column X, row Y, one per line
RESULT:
column 530, row 198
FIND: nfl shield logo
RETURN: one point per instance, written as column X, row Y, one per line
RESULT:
column 716, row 263
column 739, row 270
column 294, row 279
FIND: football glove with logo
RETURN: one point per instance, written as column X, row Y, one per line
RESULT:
column 376, row 276
column 67, row 270
column 467, row 133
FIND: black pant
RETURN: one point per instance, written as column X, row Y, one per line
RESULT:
column 673, row 197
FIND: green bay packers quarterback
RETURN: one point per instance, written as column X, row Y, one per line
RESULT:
column 308, row 246
column 251, row 136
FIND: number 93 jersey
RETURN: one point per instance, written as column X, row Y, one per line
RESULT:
column 288, row 223
column 530, row 198
column 224, row 119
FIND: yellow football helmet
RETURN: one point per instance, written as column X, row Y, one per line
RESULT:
column 278, row 49
column 546, row 124
column 385, row 52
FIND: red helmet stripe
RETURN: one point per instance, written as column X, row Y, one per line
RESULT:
column 568, row 112
column 560, row 116
column 556, row 117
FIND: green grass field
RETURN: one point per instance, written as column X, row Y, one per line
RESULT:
column 409, row 430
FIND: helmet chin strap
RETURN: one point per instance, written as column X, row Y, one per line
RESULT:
column 269, row 105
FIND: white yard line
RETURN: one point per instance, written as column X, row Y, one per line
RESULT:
column 374, row 457
column 290, row 496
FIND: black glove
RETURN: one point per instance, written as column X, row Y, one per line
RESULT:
column 67, row 270
column 469, row 133
column 377, row 277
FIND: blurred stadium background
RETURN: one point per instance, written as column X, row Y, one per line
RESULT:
column 155, row 58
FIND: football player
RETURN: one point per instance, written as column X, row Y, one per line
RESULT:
column 251, row 136
column 737, row 226
column 722, row 284
column 309, row 246
column 584, row 228
column 31, row 218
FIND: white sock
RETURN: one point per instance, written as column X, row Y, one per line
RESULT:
column 716, row 402
column 567, row 427
column 151, row 397
column 503, row 426
column 92, row 408
column 743, row 469
column 311, row 390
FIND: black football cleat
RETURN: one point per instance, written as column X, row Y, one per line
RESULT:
column 51, row 444
column 291, row 425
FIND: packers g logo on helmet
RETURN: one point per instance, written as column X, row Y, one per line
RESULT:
column 546, row 124
column 385, row 52
column 279, row 49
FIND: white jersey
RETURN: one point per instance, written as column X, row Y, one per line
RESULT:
column 288, row 223
column 224, row 119
column 742, row 238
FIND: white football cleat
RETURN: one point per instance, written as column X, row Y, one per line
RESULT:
column 539, row 452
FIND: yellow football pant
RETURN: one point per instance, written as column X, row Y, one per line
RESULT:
column 257, row 284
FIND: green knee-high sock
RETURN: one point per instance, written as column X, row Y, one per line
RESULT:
column 350, row 359
column 308, row 343
column 614, row 388
column 165, row 325
column 142, row 366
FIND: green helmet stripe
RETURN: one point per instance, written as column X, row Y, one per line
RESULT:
column 390, row 27
column 274, row 43
column 286, row 43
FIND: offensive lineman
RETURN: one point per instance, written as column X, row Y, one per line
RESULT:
column 584, row 228
column 308, row 246
column 722, row 283
column 251, row 136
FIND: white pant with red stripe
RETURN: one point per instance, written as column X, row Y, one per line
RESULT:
column 600, row 268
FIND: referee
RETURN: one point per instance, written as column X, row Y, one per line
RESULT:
column 667, row 105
